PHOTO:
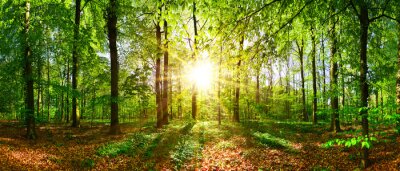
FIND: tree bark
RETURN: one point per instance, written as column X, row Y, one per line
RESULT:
column 112, row 37
column 287, row 101
column 39, row 87
column 28, row 77
column 303, row 93
column 48, row 88
column 158, row 74
column 165, row 79
column 75, row 114
column 219, row 88
column 363, row 76
column 364, row 24
column 67, row 98
column 335, row 124
column 258, row 87
column 194, row 91
column 323, row 73
column 398, row 77
column 179, row 92
column 236, row 109
column 314, row 76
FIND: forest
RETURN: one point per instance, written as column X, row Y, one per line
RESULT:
column 199, row 85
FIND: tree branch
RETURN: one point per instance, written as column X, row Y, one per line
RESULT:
column 355, row 9
column 258, row 10
column 340, row 11
column 293, row 17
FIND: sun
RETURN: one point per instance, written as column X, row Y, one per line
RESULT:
column 201, row 75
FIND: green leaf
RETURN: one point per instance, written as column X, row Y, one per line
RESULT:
column 365, row 144
column 353, row 141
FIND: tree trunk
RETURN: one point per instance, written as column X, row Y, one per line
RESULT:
column 303, row 93
column 364, row 24
column 112, row 37
column 335, row 124
column 39, row 87
column 314, row 76
column 75, row 114
column 165, row 79
column 158, row 74
column 258, row 87
column 194, row 91
column 236, row 117
column 287, row 101
column 67, row 98
column 179, row 93
column 63, row 76
column 48, row 88
column 323, row 73
column 219, row 88
column 171, row 114
column 28, row 77
column 398, row 76
column 343, row 83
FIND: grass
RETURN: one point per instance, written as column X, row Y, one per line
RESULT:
column 130, row 147
column 272, row 141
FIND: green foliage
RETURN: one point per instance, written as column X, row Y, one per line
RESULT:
column 130, row 147
column 362, row 141
column 183, row 151
column 271, row 141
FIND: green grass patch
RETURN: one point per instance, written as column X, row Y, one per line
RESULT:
column 271, row 141
column 131, row 146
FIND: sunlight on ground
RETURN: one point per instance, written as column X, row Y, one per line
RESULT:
column 201, row 74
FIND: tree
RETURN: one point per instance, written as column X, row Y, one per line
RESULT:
column 112, row 37
column 335, row 124
column 75, row 58
column 300, row 48
column 28, row 78
column 165, row 79
column 194, row 87
column 314, row 76
column 364, row 21
column 158, row 71
column 236, row 114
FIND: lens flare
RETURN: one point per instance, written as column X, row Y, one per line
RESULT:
column 201, row 75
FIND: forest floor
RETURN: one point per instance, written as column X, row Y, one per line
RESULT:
column 266, row 145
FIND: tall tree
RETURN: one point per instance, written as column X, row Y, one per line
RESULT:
column 236, row 113
column 194, row 91
column 165, row 79
column 364, row 24
column 314, row 75
column 75, row 58
column 300, row 48
column 335, row 124
column 398, row 74
column 158, row 71
column 28, row 78
column 112, row 38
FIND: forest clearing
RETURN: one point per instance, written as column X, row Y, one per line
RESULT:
column 199, row 85
column 253, row 145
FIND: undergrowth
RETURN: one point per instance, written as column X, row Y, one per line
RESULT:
column 131, row 146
